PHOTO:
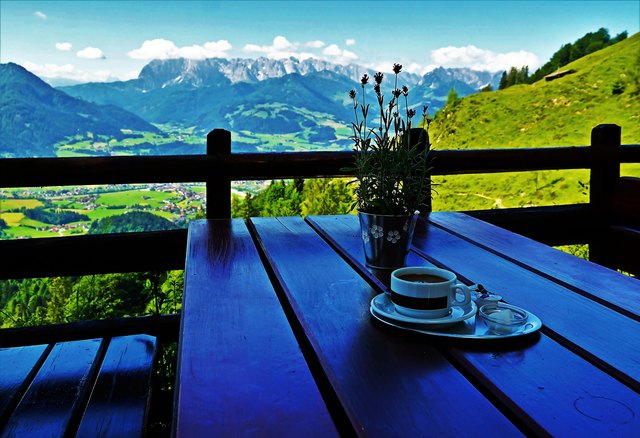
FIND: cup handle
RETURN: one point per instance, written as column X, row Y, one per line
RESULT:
column 465, row 290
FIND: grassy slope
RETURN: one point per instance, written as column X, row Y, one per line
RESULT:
column 556, row 113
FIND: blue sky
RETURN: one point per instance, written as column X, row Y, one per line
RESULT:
column 109, row 40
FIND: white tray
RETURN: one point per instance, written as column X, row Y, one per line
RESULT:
column 472, row 328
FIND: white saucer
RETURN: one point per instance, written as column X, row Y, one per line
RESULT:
column 383, row 306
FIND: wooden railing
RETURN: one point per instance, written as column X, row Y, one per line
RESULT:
column 165, row 250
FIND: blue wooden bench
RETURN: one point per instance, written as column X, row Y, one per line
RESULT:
column 92, row 387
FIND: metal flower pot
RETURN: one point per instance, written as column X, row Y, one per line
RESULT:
column 386, row 239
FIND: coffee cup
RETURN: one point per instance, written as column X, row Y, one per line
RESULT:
column 424, row 292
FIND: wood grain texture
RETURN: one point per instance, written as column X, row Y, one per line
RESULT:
column 240, row 369
column 584, row 276
column 18, row 365
column 120, row 399
column 607, row 337
column 387, row 383
column 52, row 399
column 549, row 388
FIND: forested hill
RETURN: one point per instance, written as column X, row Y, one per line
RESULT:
column 35, row 116
column 135, row 221
column 605, row 88
column 589, row 43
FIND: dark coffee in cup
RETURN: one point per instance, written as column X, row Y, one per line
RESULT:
column 422, row 278
column 424, row 292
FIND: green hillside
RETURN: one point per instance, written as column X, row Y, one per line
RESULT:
column 561, row 112
column 556, row 113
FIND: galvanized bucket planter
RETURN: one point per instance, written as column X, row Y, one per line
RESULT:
column 386, row 239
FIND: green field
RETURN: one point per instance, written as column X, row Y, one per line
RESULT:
column 96, row 203
column 151, row 199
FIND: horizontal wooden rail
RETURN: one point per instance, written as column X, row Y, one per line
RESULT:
column 629, row 153
column 39, row 172
column 162, row 326
column 93, row 254
column 165, row 250
column 80, row 255
column 548, row 224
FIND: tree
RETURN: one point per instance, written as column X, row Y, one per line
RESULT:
column 503, row 81
column 452, row 97
column 327, row 196
column 239, row 206
column 60, row 289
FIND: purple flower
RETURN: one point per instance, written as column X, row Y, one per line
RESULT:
column 378, row 77
column 365, row 79
column 405, row 90
column 352, row 94
column 397, row 93
column 411, row 112
column 397, row 68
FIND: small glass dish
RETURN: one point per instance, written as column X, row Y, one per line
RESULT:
column 481, row 296
column 502, row 318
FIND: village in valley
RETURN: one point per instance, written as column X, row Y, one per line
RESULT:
column 25, row 211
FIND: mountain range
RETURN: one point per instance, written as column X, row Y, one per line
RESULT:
column 233, row 93
column 288, row 96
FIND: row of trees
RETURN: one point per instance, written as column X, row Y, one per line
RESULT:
column 297, row 197
column 514, row 76
column 589, row 43
column 56, row 300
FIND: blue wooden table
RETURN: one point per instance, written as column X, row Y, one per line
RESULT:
column 277, row 338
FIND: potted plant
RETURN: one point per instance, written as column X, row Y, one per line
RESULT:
column 392, row 169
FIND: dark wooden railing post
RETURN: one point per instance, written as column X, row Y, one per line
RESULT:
column 219, row 185
column 605, row 141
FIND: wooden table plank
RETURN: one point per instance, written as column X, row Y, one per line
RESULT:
column 568, row 270
column 50, row 402
column 386, row 384
column 240, row 369
column 19, row 364
column 120, row 398
column 608, row 338
column 548, row 387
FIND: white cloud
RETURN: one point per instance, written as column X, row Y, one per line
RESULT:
column 40, row 15
column 315, row 44
column 350, row 42
column 481, row 59
column 68, row 71
column 338, row 55
column 63, row 47
column 470, row 57
column 414, row 67
column 133, row 74
column 90, row 53
column 164, row 49
column 281, row 48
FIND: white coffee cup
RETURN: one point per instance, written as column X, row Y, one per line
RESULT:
column 423, row 292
